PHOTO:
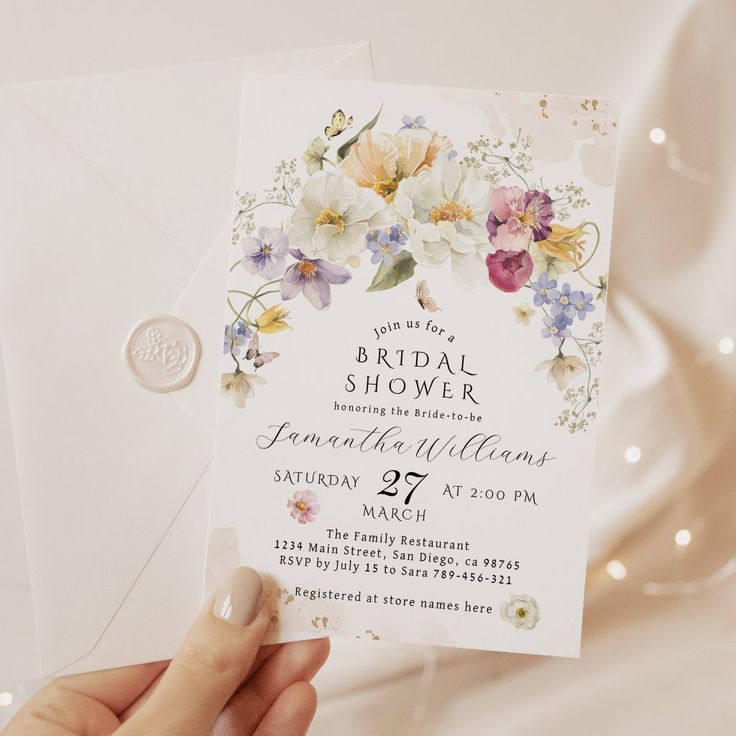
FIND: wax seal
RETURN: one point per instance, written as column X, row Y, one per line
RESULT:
column 162, row 353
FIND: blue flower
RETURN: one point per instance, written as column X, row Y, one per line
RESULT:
column 545, row 290
column 582, row 303
column 451, row 154
column 235, row 338
column 385, row 244
column 409, row 122
column 397, row 234
column 555, row 328
column 562, row 302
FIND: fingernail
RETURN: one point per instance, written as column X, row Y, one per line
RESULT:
column 238, row 598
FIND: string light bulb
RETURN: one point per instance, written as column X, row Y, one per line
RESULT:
column 683, row 537
column 726, row 345
column 616, row 569
column 6, row 699
column 632, row 454
column 657, row 136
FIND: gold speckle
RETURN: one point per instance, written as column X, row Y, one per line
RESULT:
column 542, row 102
column 289, row 599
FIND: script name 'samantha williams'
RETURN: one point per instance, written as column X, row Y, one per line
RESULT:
column 478, row 447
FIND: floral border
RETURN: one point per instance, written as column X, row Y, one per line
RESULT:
column 408, row 199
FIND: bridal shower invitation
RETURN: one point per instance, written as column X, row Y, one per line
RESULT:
column 411, row 359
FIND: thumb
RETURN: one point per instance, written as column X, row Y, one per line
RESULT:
column 215, row 658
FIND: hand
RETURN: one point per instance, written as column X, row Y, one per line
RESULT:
column 222, row 682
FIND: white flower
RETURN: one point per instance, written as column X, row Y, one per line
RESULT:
column 545, row 263
column 444, row 212
column 314, row 156
column 562, row 369
column 334, row 216
column 523, row 312
column 522, row 612
column 239, row 386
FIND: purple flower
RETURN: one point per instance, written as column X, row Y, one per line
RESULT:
column 561, row 302
column 409, row 122
column 312, row 277
column 538, row 213
column 556, row 329
column 516, row 217
column 235, row 338
column 265, row 255
column 542, row 288
column 581, row 303
column 385, row 244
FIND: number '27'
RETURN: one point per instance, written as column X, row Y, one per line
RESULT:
column 392, row 477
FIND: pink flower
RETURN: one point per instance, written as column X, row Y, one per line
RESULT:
column 518, row 217
column 304, row 506
column 509, row 270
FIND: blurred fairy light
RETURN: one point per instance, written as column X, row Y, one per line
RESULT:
column 657, row 135
column 632, row 454
column 726, row 345
column 683, row 537
column 6, row 699
column 616, row 569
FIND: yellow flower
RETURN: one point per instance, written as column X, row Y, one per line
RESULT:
column 565, row 243
column 273, row 320
column 379, row 161
column 523, row 312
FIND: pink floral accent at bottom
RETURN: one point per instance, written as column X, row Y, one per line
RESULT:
column 304, row 506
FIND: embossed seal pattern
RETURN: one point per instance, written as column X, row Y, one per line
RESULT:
column 162, row 352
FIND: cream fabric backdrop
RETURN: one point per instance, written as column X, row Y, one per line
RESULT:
column 657, row 659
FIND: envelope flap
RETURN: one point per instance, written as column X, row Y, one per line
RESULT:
column 90, row 442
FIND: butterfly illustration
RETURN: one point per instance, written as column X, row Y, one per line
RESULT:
column 253, row 353
column 169, row 354
column 425, row 299
column 339, row 124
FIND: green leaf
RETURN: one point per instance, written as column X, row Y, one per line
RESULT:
column 401, row 269
column 344, row 149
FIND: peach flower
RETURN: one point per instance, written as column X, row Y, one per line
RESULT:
column 379, row 161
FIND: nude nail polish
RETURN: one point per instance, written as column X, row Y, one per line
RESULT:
column 239, row 597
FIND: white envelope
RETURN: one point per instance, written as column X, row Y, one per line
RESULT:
column 115, row 205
